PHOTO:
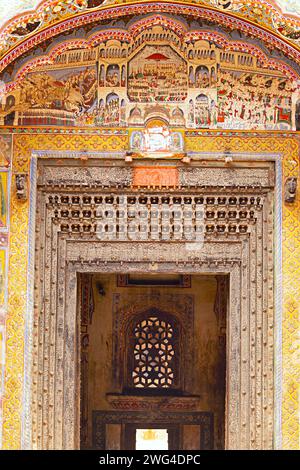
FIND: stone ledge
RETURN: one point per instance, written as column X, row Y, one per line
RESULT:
column 139, row 402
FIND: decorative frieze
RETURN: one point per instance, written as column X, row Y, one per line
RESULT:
column 155, row 216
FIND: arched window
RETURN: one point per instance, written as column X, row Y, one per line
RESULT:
column 153, row 355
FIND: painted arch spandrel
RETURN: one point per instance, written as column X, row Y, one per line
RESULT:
column 195, row 85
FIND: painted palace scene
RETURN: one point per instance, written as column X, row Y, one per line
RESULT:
column 149, row 225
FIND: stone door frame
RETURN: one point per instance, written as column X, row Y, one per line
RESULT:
column 157, row 418
column 248, row 424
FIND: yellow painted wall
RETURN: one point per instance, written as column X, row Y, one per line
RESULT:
column 24, row 144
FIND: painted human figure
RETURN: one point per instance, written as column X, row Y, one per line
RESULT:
column 191, row 115
column 176, row 141
column 102, row 76
column 214, row 113
column 137, row 141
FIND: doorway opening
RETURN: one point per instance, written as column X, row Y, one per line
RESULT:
column 151, row 439
column 237, row 214
column 153, row 360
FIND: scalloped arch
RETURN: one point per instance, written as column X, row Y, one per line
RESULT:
column 137, row 28
column 238, row 18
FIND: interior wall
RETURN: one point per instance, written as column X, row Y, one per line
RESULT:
column 208, row 381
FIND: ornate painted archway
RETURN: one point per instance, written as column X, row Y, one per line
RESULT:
column 268, row 20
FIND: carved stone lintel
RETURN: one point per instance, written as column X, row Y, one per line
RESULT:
column 127, row 402
column 290, row 190
column 21, row 186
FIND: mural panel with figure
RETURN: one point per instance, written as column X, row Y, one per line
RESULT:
column 5, row 150
column 157, row 139
column 157, row 73
column 162, row 74
column 245, row 98
column 59, row 97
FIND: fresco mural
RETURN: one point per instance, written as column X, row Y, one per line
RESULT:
column 247, row 97
column 58, row 97
column 203, row 111
column 5, row 150
column 112, row 75
column 156, row 74
column 157, row 138
column 194, row 83
column 3, row 199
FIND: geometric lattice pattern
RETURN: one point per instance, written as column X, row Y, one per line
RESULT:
column 154, row 349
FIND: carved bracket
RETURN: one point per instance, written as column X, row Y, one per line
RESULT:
column 290, row 190
column 21, row 186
